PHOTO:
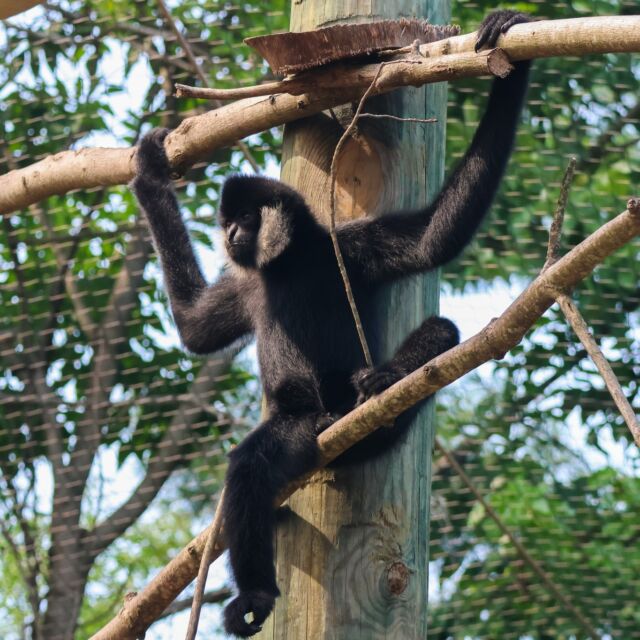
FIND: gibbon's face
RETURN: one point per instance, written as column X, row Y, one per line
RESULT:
column 256, row 225
column 241, row 235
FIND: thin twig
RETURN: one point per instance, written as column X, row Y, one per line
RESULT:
column 186, row 47
column 332, row 220
column 555, row 232
column 205, row 561
column 575, row 318
column 581, row 329
column 397, row 118
column 522, row 552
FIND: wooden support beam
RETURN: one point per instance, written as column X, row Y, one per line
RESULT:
column 352, row 555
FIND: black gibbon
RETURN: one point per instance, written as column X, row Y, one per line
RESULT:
column 283, row 286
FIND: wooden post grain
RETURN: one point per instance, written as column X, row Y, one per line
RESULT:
column 353, row 553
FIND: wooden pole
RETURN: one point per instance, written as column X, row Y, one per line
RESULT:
column 352, row 555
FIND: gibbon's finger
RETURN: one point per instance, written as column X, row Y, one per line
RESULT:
column 485, row 30
column 519, row 18
column 496, row 32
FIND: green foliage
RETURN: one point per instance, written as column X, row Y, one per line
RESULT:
column 577, row 522
column 97, row 73
column 586, row 108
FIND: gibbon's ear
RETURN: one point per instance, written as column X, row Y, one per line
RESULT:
column 274, row 235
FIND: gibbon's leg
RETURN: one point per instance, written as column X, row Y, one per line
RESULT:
column 280, row 449
column 433, row 337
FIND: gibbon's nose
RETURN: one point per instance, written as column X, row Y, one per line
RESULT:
column 231, row 233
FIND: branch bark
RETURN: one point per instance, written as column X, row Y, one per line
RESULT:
column 494, row 341
column 197, row 136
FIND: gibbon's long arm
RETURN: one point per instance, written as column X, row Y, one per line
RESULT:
column 208, row 317
column 394, row 245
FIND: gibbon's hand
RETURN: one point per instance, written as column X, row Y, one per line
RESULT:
column 151, row 157
column 497, row 23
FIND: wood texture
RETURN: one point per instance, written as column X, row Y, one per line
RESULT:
column 353, row 552
column 292, row 52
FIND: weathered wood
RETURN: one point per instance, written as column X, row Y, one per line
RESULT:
column 10, row 8
column 353, row 554
column 292, row 52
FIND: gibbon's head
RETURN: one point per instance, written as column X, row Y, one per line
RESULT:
column 258, row 216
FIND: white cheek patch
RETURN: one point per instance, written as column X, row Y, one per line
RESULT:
column 274, row 234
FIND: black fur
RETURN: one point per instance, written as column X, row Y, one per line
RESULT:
column 284, row 286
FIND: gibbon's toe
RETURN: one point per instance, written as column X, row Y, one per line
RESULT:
column 371, row 382
column 326, row 420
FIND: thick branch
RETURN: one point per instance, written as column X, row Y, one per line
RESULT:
column 198, row 136
column 494, row 341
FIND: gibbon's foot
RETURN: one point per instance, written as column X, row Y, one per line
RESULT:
column 326, row 420
column 151, row 157
column 246, row 603
column 497, row 23
column 374, row 380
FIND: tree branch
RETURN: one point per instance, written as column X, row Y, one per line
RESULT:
column 493, row 341
column 574, row 317
column 198, row 136
column 545, row 578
